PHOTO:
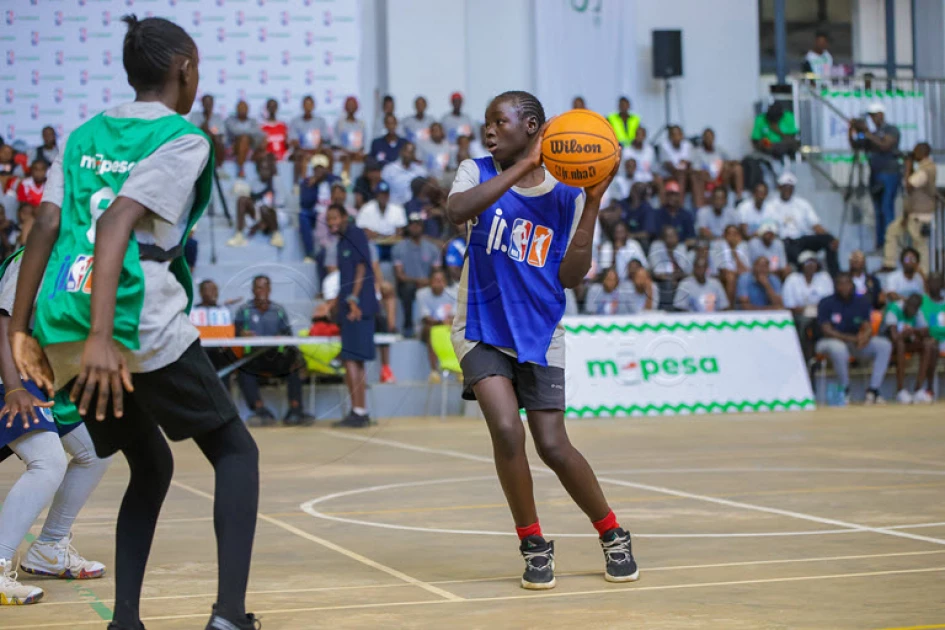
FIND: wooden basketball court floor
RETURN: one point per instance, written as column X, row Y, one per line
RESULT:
column 827, row 519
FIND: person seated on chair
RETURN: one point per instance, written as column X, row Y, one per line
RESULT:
column 844, row 319
column 261, row 206
column 712, row 219
column 908, row 330
column 759, row 289
column 436, row 305
column 933, row 307
column 713, row 168
column 700, row 293
column 799, row 225
column 802, row 292
column 865, row 283
column 908, row 279
column 729, row 258
column 775, row 133
column 676, row 153
column 767, row 244
column 261, row 317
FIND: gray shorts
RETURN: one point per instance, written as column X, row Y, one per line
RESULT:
column 537, row 387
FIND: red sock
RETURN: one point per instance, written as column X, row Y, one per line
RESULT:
column 606, row 524
column 532, row 530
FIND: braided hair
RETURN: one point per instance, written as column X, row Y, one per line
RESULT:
column 526, row 103
column 149, row 50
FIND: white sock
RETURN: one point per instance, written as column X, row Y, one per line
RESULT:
column 361, row 411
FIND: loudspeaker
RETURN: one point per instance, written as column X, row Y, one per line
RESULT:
column 667, row 54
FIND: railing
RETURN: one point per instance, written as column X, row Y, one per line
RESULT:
column 937, row 237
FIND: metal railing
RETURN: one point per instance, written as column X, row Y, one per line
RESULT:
column 937, row 237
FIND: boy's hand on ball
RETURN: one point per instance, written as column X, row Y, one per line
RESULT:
column 534, row 153
column 597, row 190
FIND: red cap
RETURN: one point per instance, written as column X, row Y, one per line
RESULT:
column 456, row 95
column 672, row 186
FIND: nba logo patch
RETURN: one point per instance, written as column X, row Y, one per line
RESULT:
column 541, row 244
column 77, row 273
column 518, row 239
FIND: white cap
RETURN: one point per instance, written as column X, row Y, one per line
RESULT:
column 876, row 108
column 806, row 256
column 770, row 226
column 787, row 179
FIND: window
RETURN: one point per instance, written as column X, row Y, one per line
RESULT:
column 804, row 19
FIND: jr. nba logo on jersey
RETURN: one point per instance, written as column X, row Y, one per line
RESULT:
column 518, row 239
column 541, row 243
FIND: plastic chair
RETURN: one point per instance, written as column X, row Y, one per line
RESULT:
column 443, row 349
column 318, row 360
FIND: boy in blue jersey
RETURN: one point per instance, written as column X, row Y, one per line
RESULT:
column 529, row 237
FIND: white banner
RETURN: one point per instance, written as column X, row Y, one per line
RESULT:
column 661, row 364
column 591, row 43
column 905, row 109
column 62, row 58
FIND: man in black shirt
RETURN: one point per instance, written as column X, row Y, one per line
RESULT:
column 882, row 146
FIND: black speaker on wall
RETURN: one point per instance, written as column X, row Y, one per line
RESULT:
column 667, row 54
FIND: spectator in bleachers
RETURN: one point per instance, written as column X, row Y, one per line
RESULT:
column 729, row 259
column 624, row 122
column 307, row 132
column 844, row 319
column 24, row 219
column 619, row 251
column 417, row 126
column 673, row 214
column 700, row 293
column 366, row 182
column 436, row 305
column 8, row 233
column 799, row 225
column 30, row 189
column 645, row 157
column 620, row 188
column 907, row 280
column 382, row 220
column 427, row 200
column 210, row 122
column 436, row 154
column 759, row 289
column 315, row 195
column 456, row 123
column 578, row 103
column 386, row 148
column 10, row 174
column 642, row 295
column 400, row 173
column 669, row 263
column 209, row 313
column 913, row 228
column 275, row 131
column 48, row 151
column 609, row 296
column 933, row 307
column 477, row 146
column 380, row 120
column 775, row 133
column 242, row 136
column 865, row 283
column 261, row 206
column 414, row 259
column 260, row 317
column 711, row 220
column 818, row 60
column 455, row 257
column 676, row 154
column 802, row 292
column 350, row 134
column 766, row 243
column 754, row 212
column 907, row 329
column 882, row 147
column 638, row 214
column 713, row 168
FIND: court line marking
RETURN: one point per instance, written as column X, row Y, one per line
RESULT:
column 664, row 490
column 516, row 578
column 624, row 591
column 337, row 548
column 932, row 627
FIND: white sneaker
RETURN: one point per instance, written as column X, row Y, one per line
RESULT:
column 873, row 398
column 238, row 240
column 904, row 397
column 922, row 397
column 308, row 260
column 60, row 559
column 12, row 593
column 276, row 239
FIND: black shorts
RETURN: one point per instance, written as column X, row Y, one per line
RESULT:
column 186, row 399
column 537, row 387
column 357, row 339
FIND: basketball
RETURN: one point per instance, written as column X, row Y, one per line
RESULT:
column 580, row 148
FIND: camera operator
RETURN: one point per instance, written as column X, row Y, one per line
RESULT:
column 882, row 146
column 914, row 228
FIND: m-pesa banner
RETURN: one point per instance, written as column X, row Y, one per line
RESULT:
column 660, row 364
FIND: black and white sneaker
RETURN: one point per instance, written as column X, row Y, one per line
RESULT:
column 539, row 563
column 353, row 421
column 621, row 567
column 217, row 622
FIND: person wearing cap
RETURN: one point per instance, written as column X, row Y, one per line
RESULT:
column 414, row 258
column 350, row 133
column 672, row 213
column 881, row 145
column 314, row 199
column 766, row 243
column 802, row 292
column 417, row 126
column 624, row 122
column 400, row 173
column 382, row 220
column 799, row 225
column 865, row 283
column 918, row 208
column 307, row 132
column 456, row 123
column 386, row 148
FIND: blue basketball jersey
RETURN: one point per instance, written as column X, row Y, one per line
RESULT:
column 515, row 299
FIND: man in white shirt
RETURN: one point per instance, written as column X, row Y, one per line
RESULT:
column 712, row 220
column 712, row 168
column 417, row 126
column 907, row 280
column 645, row 157
column 456, row 123
column 799, row 225
column 755, row 212
column 400, row 173
column 381, row 219
column 768, row 244
column 676, row 154
column 818, row 60
column 803, row 290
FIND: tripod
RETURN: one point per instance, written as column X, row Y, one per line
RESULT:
column 853, row 197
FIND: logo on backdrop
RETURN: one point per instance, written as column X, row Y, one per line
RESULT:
column 240, row 57
column 34, row 77
column 173, row 3
column 57, row 18
column 11, row 57
column 221, row 76
column 196, row 19
column 60, row 130
column 240, row 18
column 284, row 18
column 106, row 18
column 129, row 2
column 9, row 95
column 327, row 18
column 220, row 3
column 34, row 111
column 309, row 76
column 309, row 38
column 328, row 58
column 286, row 57
column 221, row 34
column 241, row 94
column 107, row 57
column 307, row 3
column 83, row 34
column 11, row 132
column 329, row 96
column 83, row 111
column 60, row 57
column 58, row 95
column 106, row 95
column 263, row 77
column 286, row 96
column 11, row 17
column 263, row 33
column 261, row 2
column 82, row 3
column 83, row 77
column 34, row 38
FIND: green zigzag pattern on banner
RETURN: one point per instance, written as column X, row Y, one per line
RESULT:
column 688, row 327
column 745, row 405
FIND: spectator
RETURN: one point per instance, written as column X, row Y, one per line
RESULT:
column 578, row 103
column 908, row 330
column 669, row 263
column 933, row 308
column 315, row 195
column 456, row 123
column 713, row 168
column 357, row 307
column 261, row 206
column 608, row 296
column 386, row 148
column 699, row 293
column 620, row 251
column 455, row 258
column 620, row 188
column 380, row 122
column 436, row 154
column 307, row 133
column 275, row 131
column 754, row 212
column 477, row 146
column 767, row 244
column 399, row 174
column 624, row 122
column 865, row 283
column 775, row 133
column 211, row 124
column 641, row 294
column 242, row 136
column 365, row 184
column 208, row 312
column 638, row 214
column 802, row 292
column 818, row 60
column 436, row 305
column 917, row 209
column 882, row 146
column 48, row 151
column 676, row 154
column 427, row 200
column 844, row 320
column 907, row 280
column 24, row 218
column 712, row 220
column 8, row 233
column 349, row 134
column 729, row 259
column 261, row 317
column 417, row 127
column 414, row 259
column 673, row 214
column 10, row 174
column 382, row 220
column 800, row 226
column 30, row 190
column 645, row 157
column 759, row 290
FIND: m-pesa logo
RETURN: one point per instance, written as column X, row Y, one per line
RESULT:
column 101, row 165
column 527, row 242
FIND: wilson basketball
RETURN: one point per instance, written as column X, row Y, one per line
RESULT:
column 580, row 148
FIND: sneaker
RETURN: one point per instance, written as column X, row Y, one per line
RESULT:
column 218, row 622
column 873, row 398
column 353, row 421
column 387, row 375
column 276, row 239
column 539, row 563
column 12, row 593
column 117, row 626
column 268, row 418
column 297, row 418
column 435, row 378
column 308, row 260
column 621, row 567
column 922, row 397
column 238, row 240
column 61, row 560
column 904, row 397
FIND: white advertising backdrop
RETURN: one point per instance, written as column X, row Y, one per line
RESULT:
column 684, row 364
column 62, row 58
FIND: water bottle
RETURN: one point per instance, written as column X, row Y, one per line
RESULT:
column 835, row 395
